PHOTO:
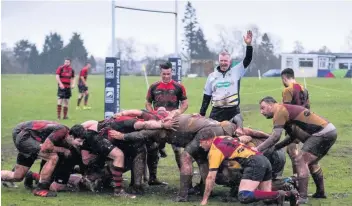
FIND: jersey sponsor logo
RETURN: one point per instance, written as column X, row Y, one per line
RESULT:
column 166, row 98
column 223, row 84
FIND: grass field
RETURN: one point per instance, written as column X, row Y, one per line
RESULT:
column 34, row 97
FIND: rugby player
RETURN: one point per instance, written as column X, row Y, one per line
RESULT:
column 39, row 139
column 171, row 95
column 293, row 93
column 95, row 143
column 65, row 77
column 83, row 87
column 256, row 180
column 190, row 129
column 317, row 134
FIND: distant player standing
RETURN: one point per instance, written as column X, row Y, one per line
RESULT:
column 65, row 78
column 223, row 86
column 83, row 87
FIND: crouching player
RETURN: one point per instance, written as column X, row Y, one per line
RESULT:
column 256, row 171
column 39, row 139
column 95, row 143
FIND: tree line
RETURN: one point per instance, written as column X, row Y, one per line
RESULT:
column 25, row 57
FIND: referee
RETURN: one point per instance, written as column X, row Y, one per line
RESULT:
column 223, row 85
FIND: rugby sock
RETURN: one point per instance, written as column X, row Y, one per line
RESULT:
column 58, row 110
column 319, row 181
column 86, row 99
column 185, row 181
column 65, row 111
column 303, row 186
column 263, row 195
column 152, row 162
column 35, row 176
column 79, row 101
column 117, row 177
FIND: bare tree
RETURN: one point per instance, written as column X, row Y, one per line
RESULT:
column 231, row 40
column 127, row 53
column 298, row 47
column 349, row 41
column 151, row 54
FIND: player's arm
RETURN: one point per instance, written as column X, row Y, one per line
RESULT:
column 249, row 50
column 135, row 136
column 280, row 118
column 58, row 71
column 83, row 80
column 149, row 99
column 272, row 140
column 255, row 133
column 183, row 98
column 215, row 158
column 288, row 140
column 152, row 124
column 73, row 79
column 238, row 120
column 207, row 94
column 59, row 134
column 131, row 112
column 287, row 96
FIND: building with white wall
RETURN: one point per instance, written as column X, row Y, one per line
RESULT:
column 315, row 64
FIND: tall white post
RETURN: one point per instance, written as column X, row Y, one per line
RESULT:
column 113, row 44
column 176, row 29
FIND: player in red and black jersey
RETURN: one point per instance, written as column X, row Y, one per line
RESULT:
column 97, row 144
column 39, row 139
column 167, row 93
column 65, row 79
column 171, row 95
column 132, row 153
column 83, row 87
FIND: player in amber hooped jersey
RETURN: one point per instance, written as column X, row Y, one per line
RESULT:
column 83, row 87
column 293, row 93
column 171, row 95
column 43, row 139
column 317, row 134
column 256, row 180
column 65, row 78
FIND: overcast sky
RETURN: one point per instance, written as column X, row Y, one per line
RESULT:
column 314, row 23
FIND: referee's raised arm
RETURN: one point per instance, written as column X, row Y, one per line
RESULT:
column 223, row 85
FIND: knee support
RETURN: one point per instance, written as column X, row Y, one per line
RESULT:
column 246, row 196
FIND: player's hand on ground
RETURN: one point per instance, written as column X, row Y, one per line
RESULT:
column 245, row 139
column 171, row 124
column 248, row 38
column 204, row 202
column 115, row 135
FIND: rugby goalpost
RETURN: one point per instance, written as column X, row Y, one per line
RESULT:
column 113, row 64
